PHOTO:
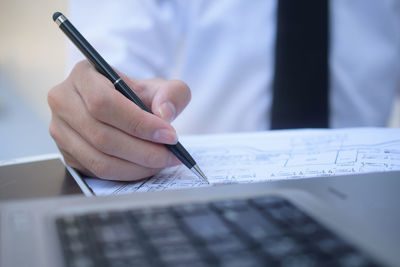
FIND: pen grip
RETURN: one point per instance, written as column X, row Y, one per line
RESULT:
column 104, row 68
column 179, row 151
column 124, row 89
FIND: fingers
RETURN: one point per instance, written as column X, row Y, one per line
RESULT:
column 106, row 104
column 108, row 139
column 169, row 102
column 96, row 163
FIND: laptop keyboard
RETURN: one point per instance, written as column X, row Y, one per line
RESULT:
column 254, row 232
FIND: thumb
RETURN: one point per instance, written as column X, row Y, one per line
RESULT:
column 170, row 99
column 166, row 98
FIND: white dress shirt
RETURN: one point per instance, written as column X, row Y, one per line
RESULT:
column 224, row 51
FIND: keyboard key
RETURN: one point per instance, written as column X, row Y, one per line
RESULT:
column 170, row 237
column 126, row 250
column 80, row 260
column 142, row 262
column 178, row 253
column 288, row 214
column 225, row 245
column 300, row 260
column 72, row 231
column 192, row 209
column 114, row 232
column 252, row 223
column 69, row 227
column 240, row 259
column 207, row 226
column 155, row 221
column 111, row 251
column 308, row 229
column 280, row 247
column 331, row 245
column 77, row 246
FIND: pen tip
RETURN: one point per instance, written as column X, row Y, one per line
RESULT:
column 199, row 173
column 56, row 15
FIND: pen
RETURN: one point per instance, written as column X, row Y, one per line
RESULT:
column 104, row 68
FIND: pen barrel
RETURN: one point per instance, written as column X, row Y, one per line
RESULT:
column 182, row 154
column 124, row 89
column 87, row 49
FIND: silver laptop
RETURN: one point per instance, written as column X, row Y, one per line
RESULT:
column 328, row 221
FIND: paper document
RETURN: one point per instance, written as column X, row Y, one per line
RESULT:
column 272, row 155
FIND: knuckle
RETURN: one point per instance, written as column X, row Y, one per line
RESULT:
column 53, row 130
column 83, row 64
column 78, row 69
column 135, row 127
column 99, row 168
column 100, row 139
column 96, row 103
column 53, row 98
column 159, row 81
column 137, row 86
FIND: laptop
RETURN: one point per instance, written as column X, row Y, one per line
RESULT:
column 326, row 221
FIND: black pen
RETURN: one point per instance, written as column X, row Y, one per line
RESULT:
column 104, row 68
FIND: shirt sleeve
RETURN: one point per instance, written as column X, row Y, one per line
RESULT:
column 142, row 39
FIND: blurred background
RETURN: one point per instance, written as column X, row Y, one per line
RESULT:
column 32, row 60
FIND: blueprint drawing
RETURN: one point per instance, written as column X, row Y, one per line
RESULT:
column 271, row 156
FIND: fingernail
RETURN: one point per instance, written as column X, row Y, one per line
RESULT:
column 167, row 111
column 165, row 136
column 173, row 161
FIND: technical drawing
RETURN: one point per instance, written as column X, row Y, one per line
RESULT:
column 268, row 156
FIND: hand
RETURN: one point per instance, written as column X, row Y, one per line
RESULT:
column 103, row 134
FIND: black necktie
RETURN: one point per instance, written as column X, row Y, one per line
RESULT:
column 300, row 94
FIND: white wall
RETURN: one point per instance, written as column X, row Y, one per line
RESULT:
column 32, row 50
